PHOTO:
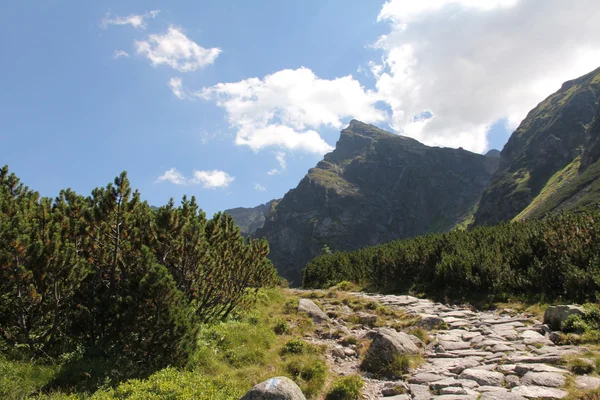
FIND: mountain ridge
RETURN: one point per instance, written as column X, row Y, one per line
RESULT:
column 374, row 187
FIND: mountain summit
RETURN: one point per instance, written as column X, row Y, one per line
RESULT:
column 374, row 187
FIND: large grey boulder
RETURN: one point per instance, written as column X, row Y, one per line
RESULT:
column 548, row 379
column 309, row 307
column 278, row 388
column 387, row 344
column 555, row 315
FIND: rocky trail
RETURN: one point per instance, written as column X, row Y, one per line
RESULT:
column 473, row 355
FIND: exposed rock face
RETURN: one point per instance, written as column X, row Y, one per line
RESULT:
column 251, row 219
column 278, row 388
column 373, row 188
column 550, row 138
column 556, row 315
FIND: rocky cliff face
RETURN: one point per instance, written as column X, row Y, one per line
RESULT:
column 552, row 137
column 373, row 188
column 251, row 219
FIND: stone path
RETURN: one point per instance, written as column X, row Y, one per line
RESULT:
column 481, row 355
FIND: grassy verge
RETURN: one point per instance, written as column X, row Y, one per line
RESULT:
column 262, row 341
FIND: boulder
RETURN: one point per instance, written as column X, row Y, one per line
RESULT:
column 429, row 321
column 555, row 315
column 309, row 307
column 587, row 383
column 278, row 388
column 385, row 347
column 366, row 319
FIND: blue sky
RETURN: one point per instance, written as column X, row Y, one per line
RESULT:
column 233, row 101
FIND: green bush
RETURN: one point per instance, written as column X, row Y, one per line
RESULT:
column 308, row 374
column 281, row 327
column 535, row 259
column 294, row 346
column 346, row 388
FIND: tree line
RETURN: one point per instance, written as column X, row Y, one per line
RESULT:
column 554, row 258
column 111, row 275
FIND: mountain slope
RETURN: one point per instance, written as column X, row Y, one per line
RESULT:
column 251, row 219
column 373, row 188
column 542, row 154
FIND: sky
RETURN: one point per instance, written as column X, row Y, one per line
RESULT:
column 233, row 101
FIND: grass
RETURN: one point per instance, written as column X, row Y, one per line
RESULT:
column 346, row 388
column 19, row 380
column 260, row 342
column 399, row 365
column 560, row 178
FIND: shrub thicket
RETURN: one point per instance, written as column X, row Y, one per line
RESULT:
column 109, row 276
column 558, row 257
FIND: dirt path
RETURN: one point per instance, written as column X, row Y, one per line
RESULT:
column 478, row 355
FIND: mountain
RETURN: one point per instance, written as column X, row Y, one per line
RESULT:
column 373, row 188
column 548, row 163
column 250, row 219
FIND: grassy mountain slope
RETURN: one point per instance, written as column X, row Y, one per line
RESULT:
column 548, row 141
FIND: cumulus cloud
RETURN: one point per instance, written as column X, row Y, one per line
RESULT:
column 260, row 187
column 287, row 109
column 173, row 176
column 208, row 179
column 119, row 54
column 212, row 179
column 470, row 63
column 137, row 21
column 176, row 50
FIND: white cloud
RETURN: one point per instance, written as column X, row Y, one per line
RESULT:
column 137, row 21
column 176, row 85
column 212, row 179
column 260, row 187
column 176, row 50
column 287, row 108
column 473, row 62
column 280, row 157
column 173, row 176
column 119, row 54
column 208, row 179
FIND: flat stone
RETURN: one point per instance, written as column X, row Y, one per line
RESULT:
column 423, row 377
column 483, row 377
column 309, row 307
column 420, row 392
column 450, row 346
column 539, row 392
column 398, row 397
column 453, row 390
column 542, row 359
column 443, row 383
column 587, row 382
column 548, row 379
column 522, row 369
column 500, row 396
column 457, row 397
column 501, row 348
